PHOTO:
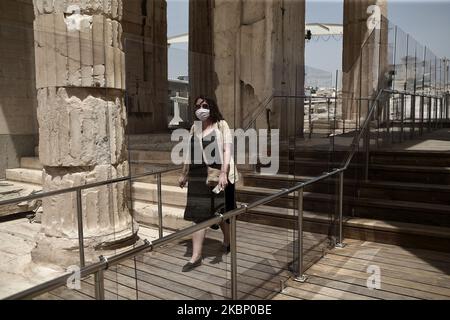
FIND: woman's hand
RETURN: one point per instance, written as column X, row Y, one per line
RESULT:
column 182, row 181
column 223, row 180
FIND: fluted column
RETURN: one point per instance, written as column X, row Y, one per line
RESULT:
column 80, row 80
column 364, row 56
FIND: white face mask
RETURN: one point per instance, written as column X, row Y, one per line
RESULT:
column 202, row 114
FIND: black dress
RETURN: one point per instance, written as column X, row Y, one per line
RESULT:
column 202, row 202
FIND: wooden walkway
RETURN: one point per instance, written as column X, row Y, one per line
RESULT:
column 264, row 254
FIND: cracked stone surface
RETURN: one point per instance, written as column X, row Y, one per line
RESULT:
column 14, row 189
column 80, row 79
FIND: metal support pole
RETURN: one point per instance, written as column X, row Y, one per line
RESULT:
column 389, row 102
column 328, row 114
column 447, row 105
column 340, row 243
column 402, row 101
column 378, row 121
column 413, row 116
column 300, row 276
column 99, row 285
column 436, row 102
column 310, row 119
column 422, row 100
column 80, row 228
column 233, row 251
column 429, row 113
column 160, row 216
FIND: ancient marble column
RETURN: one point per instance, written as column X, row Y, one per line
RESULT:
column 80, row 80
column 202, row 79
column 145, row 45
column 259, row 52
column 364, row 54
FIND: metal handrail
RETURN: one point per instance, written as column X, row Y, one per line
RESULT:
column 263, row 106
column 148, row 246
column 40, row 195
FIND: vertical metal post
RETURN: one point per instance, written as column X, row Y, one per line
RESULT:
column 328, row 114
column 402, row 115
column 255, row 165
column 99, row 285
column 389, row 102
column 310, row 119
column 430, row 100
column 378, row 121
column 422, row 100
column 300, row 277
column 436, row 118
column 340, row 243
column 160, row 216
column 366, row 151
column 80, row 228
column 413, row 115
column 447, row 105
column 233, row 251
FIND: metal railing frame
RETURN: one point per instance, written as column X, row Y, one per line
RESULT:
column 98, row 268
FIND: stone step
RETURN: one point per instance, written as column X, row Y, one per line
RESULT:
column 379, row 209
column 32, row 176
column 148, row 192
column 150, row 156
column 31, row 163
column 390, row 190
column 415, row 174
column 147, row 214
column 411, row 158
column 384, row 231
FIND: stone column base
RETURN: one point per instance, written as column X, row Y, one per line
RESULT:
column 65, row 252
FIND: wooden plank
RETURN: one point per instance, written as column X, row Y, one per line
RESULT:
column 354, row 288
column 182, row 284
column 48, row 296
column 67, row 294
column 327, row 291
column 388, row 259
column 252, row 277
column 403, row 287
column 307, row 295
column 267, row 246
column 407, row 258
column 256, row 264
column 155, row 285
column 247, row 284
column 401, row 251
column 389, row 270
column 284, row 297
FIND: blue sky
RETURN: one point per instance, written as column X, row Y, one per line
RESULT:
column 427, row 21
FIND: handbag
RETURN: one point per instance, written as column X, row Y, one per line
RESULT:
column 212, row 179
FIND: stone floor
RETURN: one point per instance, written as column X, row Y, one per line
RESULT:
column 17, row 271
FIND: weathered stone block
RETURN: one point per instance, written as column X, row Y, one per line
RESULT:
column 85, row 52
column 105, row 209
column 81, row 127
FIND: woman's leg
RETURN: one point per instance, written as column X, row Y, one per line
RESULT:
column 197, row 244
column 230, row 204
column 226, row 233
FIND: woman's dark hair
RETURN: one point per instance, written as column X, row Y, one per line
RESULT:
column 215, row 114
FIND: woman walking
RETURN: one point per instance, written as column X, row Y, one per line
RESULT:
column 210, row 179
